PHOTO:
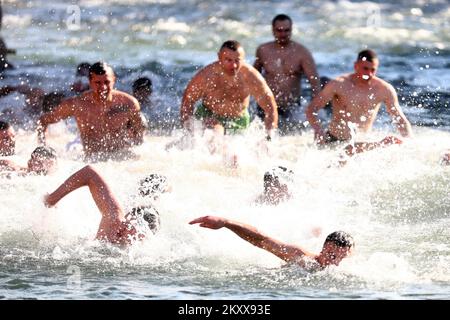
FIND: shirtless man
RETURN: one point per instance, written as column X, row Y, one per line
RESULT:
column 108, row 120
column 7, row 139
column 224, row 88
column 336, row 247
column 356, row 99
column 283, row 62
column 115, row 226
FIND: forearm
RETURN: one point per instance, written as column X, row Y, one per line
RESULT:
column 6, row 165
column 270, row 112
column 311, row 116
column 77, row 180
column 186, row 112
column 43, row 123
column 246, row 232
column 315, row 85
column 405, row 129
column 136, row 134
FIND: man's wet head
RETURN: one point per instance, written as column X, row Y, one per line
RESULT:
column 282, row 29
column 231, row 56
column 102, row 80
column 336, row 247
column 146, row 215
column 142, row 89
column 276, row 184
column 153, row 185
column 42, row 160
column 366, row 65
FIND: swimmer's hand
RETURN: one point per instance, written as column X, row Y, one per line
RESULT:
column 210, row 222
column 49, row 201
column 271, row 134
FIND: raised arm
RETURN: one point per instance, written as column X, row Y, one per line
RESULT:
column 309, row 67
column 398, row 117
column 264, row 97
column 317, row 103
column 192, row 94
column 63, row 111
column 101, row 193
column 248, row 233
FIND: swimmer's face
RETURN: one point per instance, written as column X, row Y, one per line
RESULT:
column 366, row 70
column 40, row 165
column 231, row 61
column 7, row 141
column 102, row 85
column 334, row 254
column 282, row 31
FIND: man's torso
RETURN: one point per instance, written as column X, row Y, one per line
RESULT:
column 104, row 128
column 283, row 71
column 225, row 96
column 355, row 104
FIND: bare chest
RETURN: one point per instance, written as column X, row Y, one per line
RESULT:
column 357, row 102
column 276, row 62
column 95, row 119
column 226, row 90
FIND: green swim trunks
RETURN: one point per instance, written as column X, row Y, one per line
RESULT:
column 231, row 125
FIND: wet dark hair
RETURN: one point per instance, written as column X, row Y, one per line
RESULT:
column 273, row 177
column 45, row 152
column 142, row 83
column 281, row 17
column 82, row 67
column 51, row 100
column 367, row 55
column 99, row 68
column 153, row 185
column 149, row 214
column 233, row 45
column 4, row 125
column 341, row 239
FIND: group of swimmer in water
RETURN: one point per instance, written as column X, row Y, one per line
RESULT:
column 110, row 123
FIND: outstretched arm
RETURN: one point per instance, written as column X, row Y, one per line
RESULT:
column 101, row 193
column 248, row 233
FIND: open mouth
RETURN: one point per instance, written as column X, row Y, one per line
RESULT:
column 365, row 77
